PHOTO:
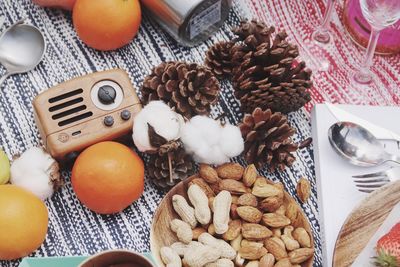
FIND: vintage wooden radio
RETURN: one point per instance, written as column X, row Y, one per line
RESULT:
column 86, row 110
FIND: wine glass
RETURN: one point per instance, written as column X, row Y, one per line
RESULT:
column 380, row 14
column 321, row 34
column 320, row 38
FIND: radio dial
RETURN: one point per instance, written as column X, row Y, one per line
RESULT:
column 107, row 94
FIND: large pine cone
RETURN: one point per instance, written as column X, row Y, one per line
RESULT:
column 158, row 168
column 269, row 76
column 268, row 139
column 189, row 88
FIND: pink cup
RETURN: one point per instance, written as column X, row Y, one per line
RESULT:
column 359, row 30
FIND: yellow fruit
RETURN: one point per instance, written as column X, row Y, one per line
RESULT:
column 4, row 168
column 23, row 222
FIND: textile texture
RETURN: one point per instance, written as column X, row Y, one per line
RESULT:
column 75, row 230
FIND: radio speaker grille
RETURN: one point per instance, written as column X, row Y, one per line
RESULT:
column 65, row 105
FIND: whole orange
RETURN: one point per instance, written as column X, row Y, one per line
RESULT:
column 106, row 24
column 23, row 222
column 107, row 177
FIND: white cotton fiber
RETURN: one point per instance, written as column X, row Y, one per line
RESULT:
column 231, row 141
column 165, row 122
column 210, row 129
column 33, row 171
column 210, row 142
column 140, row 133
column 192, row 138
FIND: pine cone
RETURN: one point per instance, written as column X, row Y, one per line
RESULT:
column 254, row 33
column 158, row 167
column 270, row 77
column 189, row 88
column 159, row 172
column 223, row 57
column 268, row 140
column 219, row 59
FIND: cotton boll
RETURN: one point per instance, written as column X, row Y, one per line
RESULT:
column 140, row 133
column 37, row 182
column 214, row 155
column 165, row 122
column 209, row 128
column 209, row 142
column 192, row 138
column 231, row 141
column 36, row 171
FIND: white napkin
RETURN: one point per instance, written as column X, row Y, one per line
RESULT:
column 364, row 259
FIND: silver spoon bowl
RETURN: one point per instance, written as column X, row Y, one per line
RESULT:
column 358, row 145
column 22, row 47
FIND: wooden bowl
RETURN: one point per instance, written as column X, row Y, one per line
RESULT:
column 117, row 256
column 363, row 222
column 161, row 234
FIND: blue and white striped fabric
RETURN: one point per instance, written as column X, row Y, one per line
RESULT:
column 73, row 229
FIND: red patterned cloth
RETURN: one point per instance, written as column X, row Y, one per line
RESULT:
column 299, row 19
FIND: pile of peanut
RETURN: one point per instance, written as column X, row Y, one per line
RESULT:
column 237, row 218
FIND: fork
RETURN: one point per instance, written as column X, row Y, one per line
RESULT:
column 369, row 182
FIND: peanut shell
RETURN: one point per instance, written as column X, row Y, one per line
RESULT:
column 235, row 243
column 197, row 232
column 204, row 186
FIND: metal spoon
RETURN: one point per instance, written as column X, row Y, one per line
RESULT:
column 22, row 47
column 358, row 145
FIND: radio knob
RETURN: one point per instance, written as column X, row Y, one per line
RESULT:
column 125, row 115
column 107, row 94
column 108, row 121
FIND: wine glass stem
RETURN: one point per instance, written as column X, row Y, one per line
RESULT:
column 373, row 41
column 321, row 34
column 327, row 16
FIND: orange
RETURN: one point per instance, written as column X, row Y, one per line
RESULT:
column 107, row 177
column 23, row 222
column 106, row 24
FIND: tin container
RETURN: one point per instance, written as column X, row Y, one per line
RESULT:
column 189, row 21
column 359, row 30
